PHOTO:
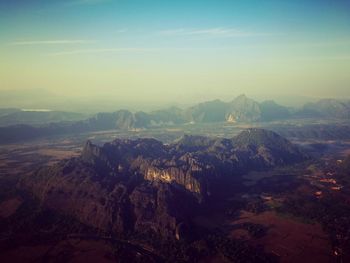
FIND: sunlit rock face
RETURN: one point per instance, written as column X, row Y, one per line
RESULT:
column 244, row 109
column 231, row 118
column 176, row 175
column 143, row 185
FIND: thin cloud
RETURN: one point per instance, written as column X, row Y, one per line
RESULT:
column 341, row 42
column 51, row 42
column 121, row 50
column 101, row 50
column 122, row 30
column 85, row 2
column 344, row 57
column 211, row 32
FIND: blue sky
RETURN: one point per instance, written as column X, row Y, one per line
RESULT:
column 103, row 18
column 190, row 49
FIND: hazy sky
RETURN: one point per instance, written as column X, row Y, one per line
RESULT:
column 180, row 51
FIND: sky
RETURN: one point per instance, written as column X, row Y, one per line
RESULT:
column 129, row 53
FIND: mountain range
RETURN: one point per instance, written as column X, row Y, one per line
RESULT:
column 13, row 116
column 145, row 186
column 240, row 110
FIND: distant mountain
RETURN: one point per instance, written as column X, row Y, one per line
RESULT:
column 240, row 110
column 166, row 117
column 326, row 108
column 210, row 111
column 243, row 109
column 144, row 186
column 122, row 119
column 16, row 116
column 6, row 111
column 271, row 111
column 102, row 121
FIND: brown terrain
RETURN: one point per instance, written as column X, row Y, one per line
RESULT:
column 74, row 250
column 289, row 239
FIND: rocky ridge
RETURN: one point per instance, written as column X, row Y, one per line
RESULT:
column 143, row 185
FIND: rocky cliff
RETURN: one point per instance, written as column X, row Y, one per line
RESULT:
column 143, row 185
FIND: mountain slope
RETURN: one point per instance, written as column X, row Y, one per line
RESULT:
column 143, row 185
column 270, row 111
column 243, row 109
column 210, row 111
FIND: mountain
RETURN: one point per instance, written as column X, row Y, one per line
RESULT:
column 243, row 109
column 210, row 111
column 271, row 148
column 32, row 117
column 159, row 118
column 122, row 119
column 144, row 186
column 271, row 111
column 240, row 110
column 326, row 108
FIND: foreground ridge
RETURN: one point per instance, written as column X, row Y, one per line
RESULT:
column 143, row 185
